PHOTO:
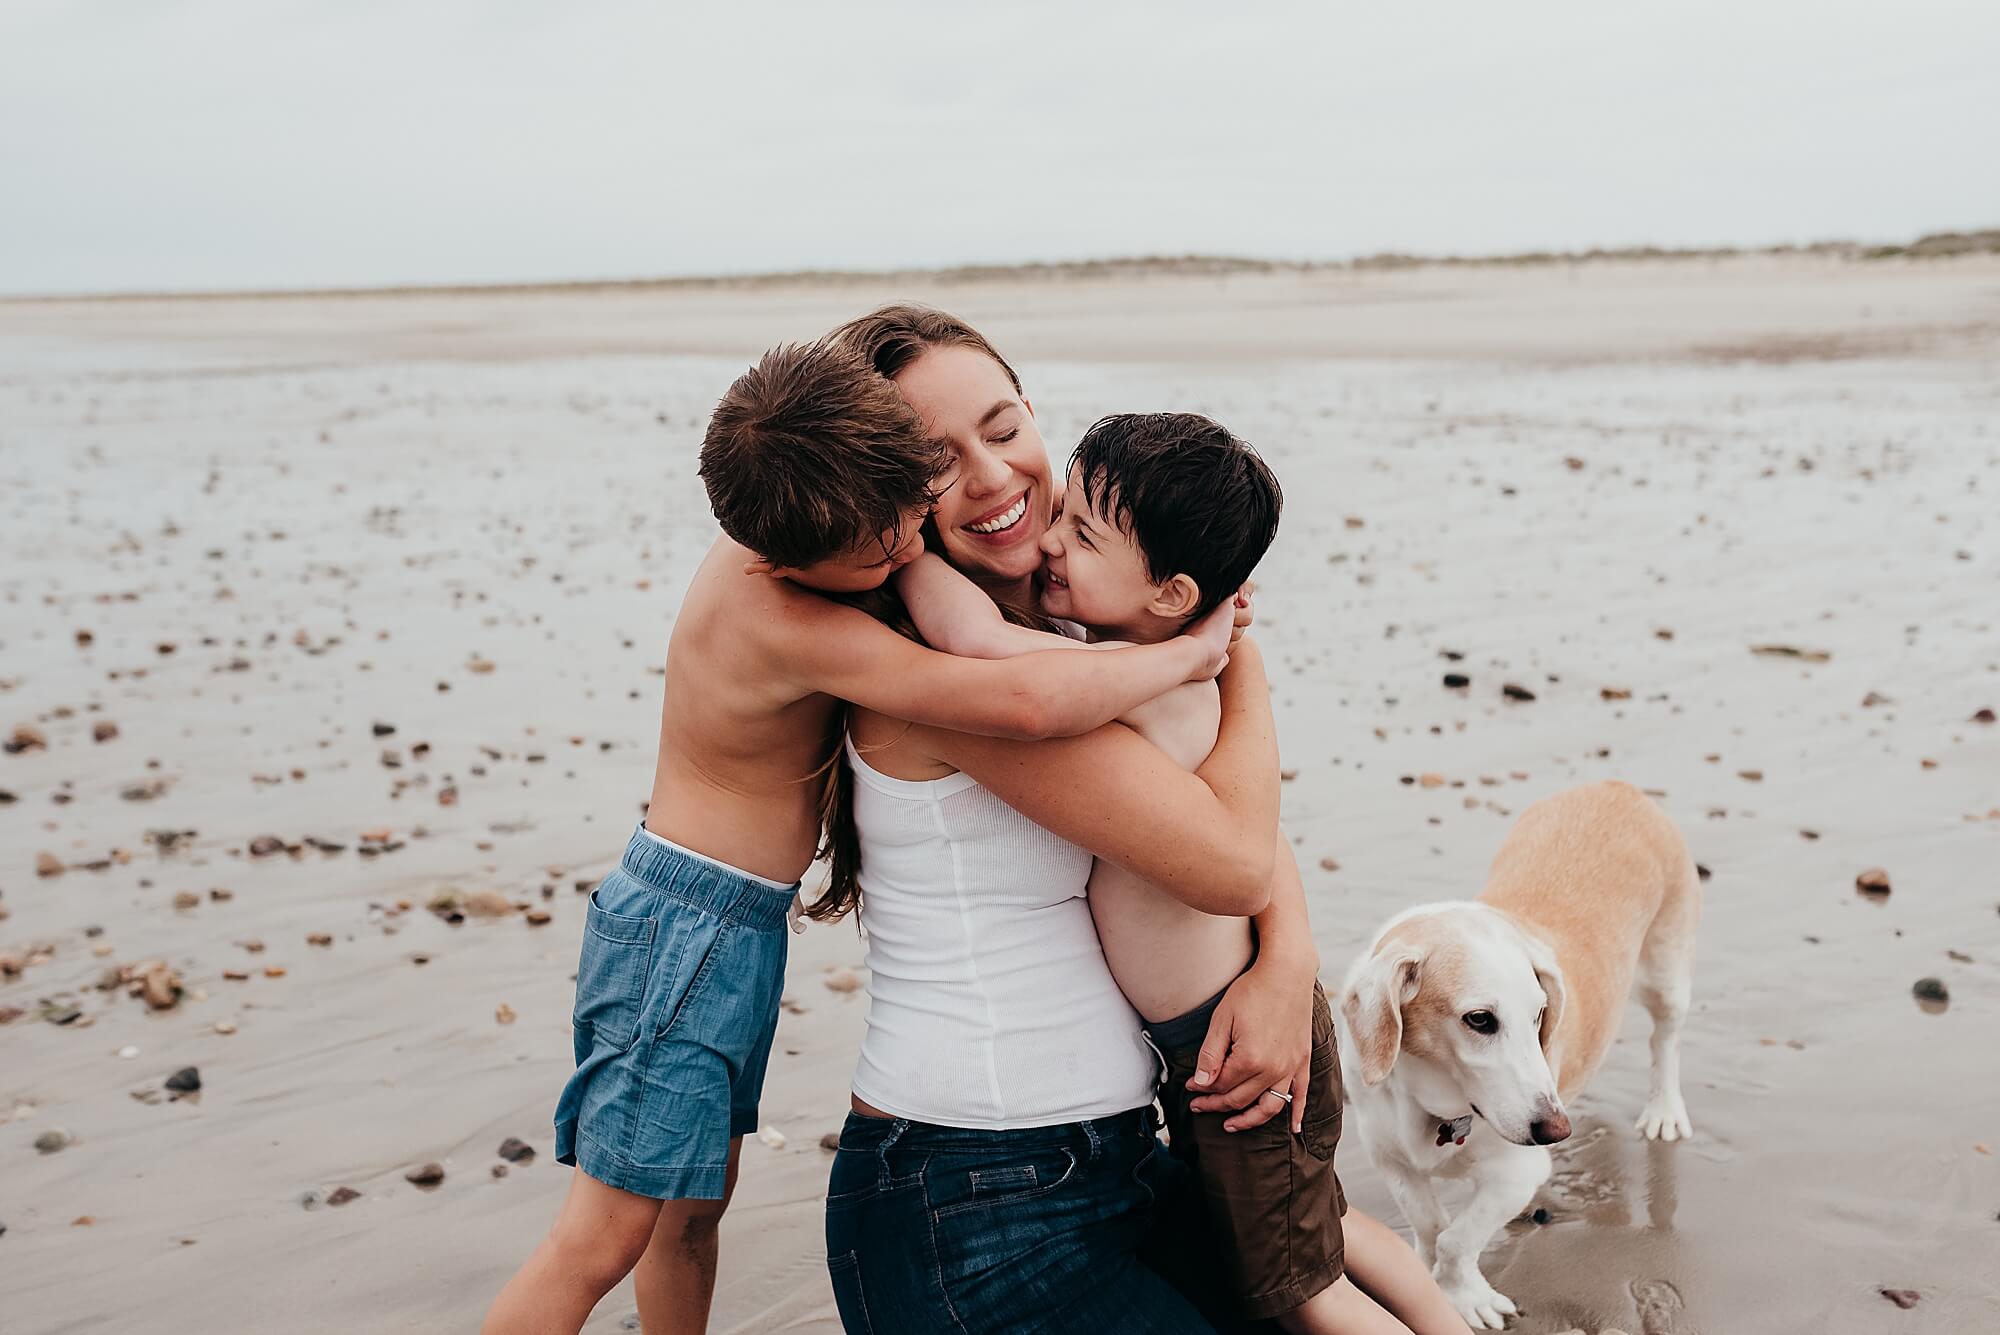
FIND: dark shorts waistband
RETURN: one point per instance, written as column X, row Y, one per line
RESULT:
column 1184, row 1031
column 876, row 1133
column 712, row 886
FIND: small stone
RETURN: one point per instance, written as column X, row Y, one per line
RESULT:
column 842, row 979
column 49, row 1142
column 504, row 1014
column 479, row 666
column 1931, row 989
column 515, row 1150
column 128, row 1052
column 264, row 845
column 1516, row 692
column 187, row 1080
column 1750, row 775
column 1903, row 1298
column 274, row 971
column 1874, row 698
column 385, row 730
column 499, row 1170
column 25, row 738
column 830, row 1142
column 83, row 1221
column 1984, row 716
column 539, row 917
column 187, row 899
column 225, row 1027
column 1287, row 775
column 773, row 1137
column 1456, row 681
column 1874, row 881
column 103, row 730
column 1615, row 693
column 1329, row 864
column 447, row 796
column 48, row 864
column 488, row 904
column 425, row 1175
column 319, row 938
column 1702, row 872
column 1432, row 780
column 342, row 1195
column 1541, row 1215
column 61, row 1014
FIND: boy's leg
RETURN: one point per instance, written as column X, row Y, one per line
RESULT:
column 1342, row 1309
column 1384, row 1267
column 598, row 1236
column 675, row 1278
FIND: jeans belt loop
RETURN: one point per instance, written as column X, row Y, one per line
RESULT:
column 896, row 1130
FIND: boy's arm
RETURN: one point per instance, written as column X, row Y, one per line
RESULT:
column 954, row 615
column 827, row 647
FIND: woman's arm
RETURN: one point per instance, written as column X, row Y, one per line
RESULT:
column 1208, row 839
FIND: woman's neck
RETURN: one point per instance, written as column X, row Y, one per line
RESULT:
column 1017, row 593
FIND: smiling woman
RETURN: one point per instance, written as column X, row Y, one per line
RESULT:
column 996, row 498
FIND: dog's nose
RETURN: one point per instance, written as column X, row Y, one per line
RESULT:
column 1548, row 1130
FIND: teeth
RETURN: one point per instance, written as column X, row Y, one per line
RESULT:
column 1007, row 520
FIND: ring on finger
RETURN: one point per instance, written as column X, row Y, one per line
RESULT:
column 1280, row 1093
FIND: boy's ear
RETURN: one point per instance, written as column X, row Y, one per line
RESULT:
column 1176, row 599
column 757, row 565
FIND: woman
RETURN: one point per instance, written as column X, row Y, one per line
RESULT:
column 1000, row 1168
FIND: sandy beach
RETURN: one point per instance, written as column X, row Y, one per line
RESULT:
column 329, row 619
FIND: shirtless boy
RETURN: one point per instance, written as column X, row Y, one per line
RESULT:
column 820, row 477
column 1165, row 516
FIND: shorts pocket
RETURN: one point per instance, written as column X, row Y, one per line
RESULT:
column 611, row 975
column 852, row 1303
column 1321, row 1135
column 1001, row 1184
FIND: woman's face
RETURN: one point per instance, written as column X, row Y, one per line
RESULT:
column 998, row 494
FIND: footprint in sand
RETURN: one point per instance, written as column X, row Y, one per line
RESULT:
column 1660, row 1303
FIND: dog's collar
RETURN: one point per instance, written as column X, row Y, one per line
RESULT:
column 1455, row 1131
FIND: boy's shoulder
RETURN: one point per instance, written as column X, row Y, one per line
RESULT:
column 741, row 623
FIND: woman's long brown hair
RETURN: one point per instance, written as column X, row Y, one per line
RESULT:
column 889, row 338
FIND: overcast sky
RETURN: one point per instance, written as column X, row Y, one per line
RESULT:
column 192, row 144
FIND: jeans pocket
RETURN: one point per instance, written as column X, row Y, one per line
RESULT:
column 848, row 1298
column 611, row 975
column 1025, row 1179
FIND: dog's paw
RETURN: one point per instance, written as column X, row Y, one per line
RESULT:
column 1665, row 1118
column 1483, row 1306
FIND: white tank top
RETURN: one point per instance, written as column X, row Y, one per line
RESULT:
column 989, row 1002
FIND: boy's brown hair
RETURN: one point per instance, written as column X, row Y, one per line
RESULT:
column 811, row 453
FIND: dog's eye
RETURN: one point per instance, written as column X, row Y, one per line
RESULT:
column 1482, row 1022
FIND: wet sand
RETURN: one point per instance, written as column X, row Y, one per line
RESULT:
column 288, row 523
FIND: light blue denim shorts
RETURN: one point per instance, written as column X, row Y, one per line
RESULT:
column 676, row 1006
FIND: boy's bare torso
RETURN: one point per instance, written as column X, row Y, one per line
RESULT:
column 739, row 749
column 1166, row 957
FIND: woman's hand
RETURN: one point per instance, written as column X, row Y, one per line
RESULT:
column 1259, row 1041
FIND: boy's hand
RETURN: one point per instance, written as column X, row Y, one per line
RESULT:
column 1259, row 1041
column 1244, row 612
column 1213, row 632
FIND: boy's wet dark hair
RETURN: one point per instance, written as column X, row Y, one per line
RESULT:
column 812, row 454
column 1196, row 500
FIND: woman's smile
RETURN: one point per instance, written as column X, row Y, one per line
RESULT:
column 1002, row 525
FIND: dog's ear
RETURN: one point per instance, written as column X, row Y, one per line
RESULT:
column 1373, row 1007
column 1549, row 974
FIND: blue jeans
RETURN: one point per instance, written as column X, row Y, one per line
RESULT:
column 933, row 1230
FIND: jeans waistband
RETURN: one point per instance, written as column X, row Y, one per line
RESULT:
column 870, row 1134
column 705, row 883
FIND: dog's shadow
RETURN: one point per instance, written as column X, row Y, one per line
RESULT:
column 1605, row 1253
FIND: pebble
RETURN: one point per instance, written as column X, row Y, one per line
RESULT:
column 187, row 899
column 1430, row 780
column 319, row 938
column 187, row 1080
column 1984, row 716
column 1930, row 989
column 842, row 979
column 504, row 1014
column 103, row 730
column 25, row 738
column 1874, row 881
column 48, row 864
column 1455, row 680
column 773, row 1137
column 1615, row 693
column 1903, row 1298
column 129, row 1051
column 264, row 845
column 515, row 1150
column 425, row 1175
column 1329, row 864
column 225, row 1027
column 51, row 1141
column 1514, row 692
column 830, row 1142
column 342, row 1195
column 488, row 904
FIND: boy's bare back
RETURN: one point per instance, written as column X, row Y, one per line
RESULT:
column 740, row 743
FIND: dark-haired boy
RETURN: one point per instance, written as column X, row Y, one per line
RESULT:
column 820, row 476
column 1165, row 516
